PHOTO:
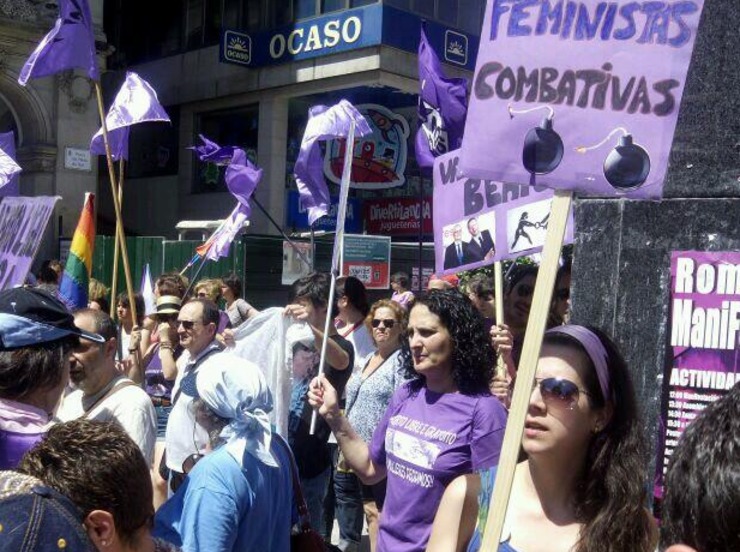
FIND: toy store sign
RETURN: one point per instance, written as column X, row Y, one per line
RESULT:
column 339, row 32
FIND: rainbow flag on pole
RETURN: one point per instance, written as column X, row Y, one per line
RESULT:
column 76, row 278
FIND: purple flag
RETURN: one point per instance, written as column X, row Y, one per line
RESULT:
column 136, row 102
column 442, row 108
column 323, row 123
column 211, row 152
column 242, row 177
column 70, row 44
column 9, row 169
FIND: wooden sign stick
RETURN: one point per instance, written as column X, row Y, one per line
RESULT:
column 498, row 291
column 527, row 368
column 116, row 247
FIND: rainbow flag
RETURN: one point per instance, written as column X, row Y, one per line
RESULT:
column 76, row 278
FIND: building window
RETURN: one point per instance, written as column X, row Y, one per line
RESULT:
column 234, row 127
column 281, row 12
column 470, row 17
column 154, row 147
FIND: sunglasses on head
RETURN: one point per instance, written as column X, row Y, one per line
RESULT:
column 524, row 290
column 562, row 294
column 387, row 322
column 559, row 392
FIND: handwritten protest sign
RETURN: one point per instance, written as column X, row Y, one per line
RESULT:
column 368, row 258
column 477, row 222
column 705, row 340
column 579, row 95
column 22, row 224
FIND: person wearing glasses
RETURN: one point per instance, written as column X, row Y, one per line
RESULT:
column 103, row 393
column 581, row 487
column 196, row 330
column 443, row 423
column 368, row 395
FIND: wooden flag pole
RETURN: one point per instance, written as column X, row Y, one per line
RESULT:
column 499, row 503
column 116, row 247
column 498, row 290
column 120, row 236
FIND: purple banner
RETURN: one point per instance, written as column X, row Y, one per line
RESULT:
column 705, row 341
column 477, row 222
column 22, row 224
column 7, row 145
column 579, row 95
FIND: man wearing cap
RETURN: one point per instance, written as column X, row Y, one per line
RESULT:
column 103, row 393
column 37, row 333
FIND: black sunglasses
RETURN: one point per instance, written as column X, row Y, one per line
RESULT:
column 559, row 392
column 167, row 318
column 524, row 290
column 187, row 324
column 387, row 322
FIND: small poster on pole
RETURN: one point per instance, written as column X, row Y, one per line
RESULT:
column 295, row 266
column 368, row 258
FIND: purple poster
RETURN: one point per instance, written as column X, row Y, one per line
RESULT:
column 579, row 95
column 705, row 342
column 22, row 224
column 477, row 222
column 7, row 144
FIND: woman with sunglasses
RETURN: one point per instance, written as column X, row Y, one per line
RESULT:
column 368, row 394
column 444, row 422
column 580, row 488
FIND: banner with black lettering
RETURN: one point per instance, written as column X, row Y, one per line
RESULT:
column 22, row 224
column 477, row 222
column 705, row 343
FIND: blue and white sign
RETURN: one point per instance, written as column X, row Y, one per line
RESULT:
column 297, row 217
column 456, row 47
column 237, row 47
column 343, row 31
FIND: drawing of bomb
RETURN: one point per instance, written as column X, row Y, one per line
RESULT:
column 543, row 148
column 627, row 166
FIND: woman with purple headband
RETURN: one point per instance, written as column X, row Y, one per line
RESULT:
column 582, row 486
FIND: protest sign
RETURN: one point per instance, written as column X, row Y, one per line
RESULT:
column 426, row 274
column 579, row 95
column 368, row 258
column 22, row 224
column 294, row 266
column 477, row 222
column 705, row 343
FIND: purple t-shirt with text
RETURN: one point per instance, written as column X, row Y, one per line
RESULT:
column 425, row 440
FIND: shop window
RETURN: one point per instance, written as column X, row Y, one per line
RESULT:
column 360, row 3
column 470, row 16
column 237, row 127
column 305, row 8
column 424, row 7
column 281, row 12
column 447, row 12
column 333, row 5
column 400, row 4
column 194, row 23
column 154, row 148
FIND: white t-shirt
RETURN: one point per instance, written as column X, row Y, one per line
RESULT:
column 130, row 406
column 362, row 341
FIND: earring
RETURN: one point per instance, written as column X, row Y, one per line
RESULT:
column 596, row 429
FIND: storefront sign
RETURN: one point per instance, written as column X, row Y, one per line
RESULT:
column 22, row 224
column 330, row 34
column 343, row 31
column 705, row 341
column 378, row 160
column 297, row 218
column 398, row 216
column 579, row 95
column 368, row 258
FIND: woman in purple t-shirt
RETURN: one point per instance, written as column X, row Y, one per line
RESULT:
column 441, row 424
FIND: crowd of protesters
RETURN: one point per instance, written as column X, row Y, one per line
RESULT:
column 158, row 433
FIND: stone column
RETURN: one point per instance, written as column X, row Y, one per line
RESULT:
column 272, row 142
column 621, row 267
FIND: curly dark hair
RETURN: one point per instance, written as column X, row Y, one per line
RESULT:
column 701, row 507
column 473, row 357
column 610, row 488
column 98, row 467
